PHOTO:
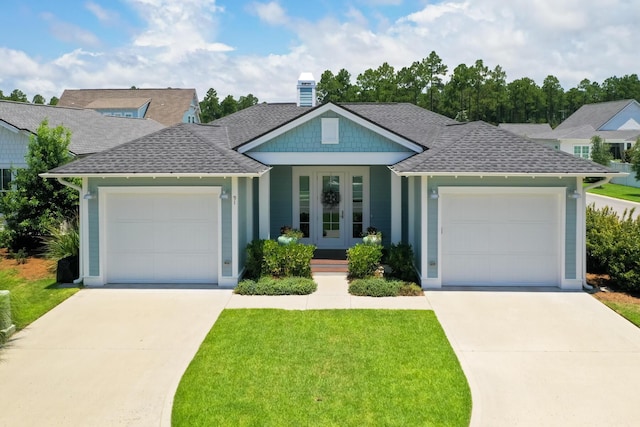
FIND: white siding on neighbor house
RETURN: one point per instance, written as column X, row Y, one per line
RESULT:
column 13, row 148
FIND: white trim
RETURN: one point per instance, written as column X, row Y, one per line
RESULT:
column 103, row 194
column 150, row 175
column 84, row 230
column 11, row 127
column 313, row 173
column 396, row 208
column 93, row 281
column 581, row 234
column 571, row 284
column 411, row 218
column 330, row 158
column 316, row 112
column 264, row 205
column 235, row 221
column 424, row 237
column 513, row 175
column 559, row 192
column 228, row 281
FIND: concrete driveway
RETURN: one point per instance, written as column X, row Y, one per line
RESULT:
column 535, row 358
column 105, row 357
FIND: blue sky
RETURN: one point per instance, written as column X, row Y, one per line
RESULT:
column 260, row 47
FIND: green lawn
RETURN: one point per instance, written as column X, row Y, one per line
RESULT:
column 31, row 299
column 324, row 368
column 618, row 191
column 628, row 310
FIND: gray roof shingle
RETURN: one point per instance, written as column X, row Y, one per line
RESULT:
column 91, row 132
column 478, row 147
column 180, row 149
column 594, row 115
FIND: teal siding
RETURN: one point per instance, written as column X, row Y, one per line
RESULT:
column 380, row 201
column 570, row 209
column 307, row 138
column 94, row 228
column 281, row 198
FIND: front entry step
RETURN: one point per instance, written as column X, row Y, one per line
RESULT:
column 329, row 266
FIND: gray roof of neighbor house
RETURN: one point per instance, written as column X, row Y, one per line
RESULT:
column 529, row 130
column 478, row 147
column 594, row 115
column 181, row 149
column 91, row 132
column 167, row 106
column 450, row 147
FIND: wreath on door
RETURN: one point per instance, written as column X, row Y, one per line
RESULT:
column 330, row 198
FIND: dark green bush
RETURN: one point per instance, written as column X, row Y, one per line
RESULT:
column 603, row 228
column 363, row 260
column 287, row 260
column 255, row 255
column 613, row 248
column 273, row 286
column 379, row 287
column 400, row 259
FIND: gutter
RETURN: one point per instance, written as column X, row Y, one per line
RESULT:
column 80, row 257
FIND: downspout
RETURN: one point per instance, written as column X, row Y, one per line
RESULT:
column 81, row 199
column 603, row 181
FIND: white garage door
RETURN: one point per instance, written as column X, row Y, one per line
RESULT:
column 161, row 237
column 501, row 239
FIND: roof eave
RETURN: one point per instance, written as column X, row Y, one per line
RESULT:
column 513, row 174
column 154, row 175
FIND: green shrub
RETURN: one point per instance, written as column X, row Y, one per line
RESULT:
column 375, row 287
column 273, row 286
column 603, row 228
column 255, row 255
column 400, row 259
column 5, row 315
column 363, row 260
column 268, row 258
column 612, row 247
column 410, row 290
column 63, row 240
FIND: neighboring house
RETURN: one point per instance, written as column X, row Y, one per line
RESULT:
column 616, row 122
column 534, row 131
column 91, row 132
column 167, row 106
column 478, row 204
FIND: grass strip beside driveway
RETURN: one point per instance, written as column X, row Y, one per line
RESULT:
column 324, row 367
column 31, row 298
column 618, row 191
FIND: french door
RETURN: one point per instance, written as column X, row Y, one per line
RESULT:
column 331, row 205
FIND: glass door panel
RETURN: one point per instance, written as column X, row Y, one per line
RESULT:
column 304, row 200
column 357, row 206
column 332, row 233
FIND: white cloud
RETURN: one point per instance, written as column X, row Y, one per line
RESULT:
column 105, row 16
column 180, row 46
column 271, row 13
column 70, row 33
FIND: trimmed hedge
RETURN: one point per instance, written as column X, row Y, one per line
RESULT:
column 268, row 258
column 273, row 286
column 379, row 287
column 363, row 260
column 400, row 260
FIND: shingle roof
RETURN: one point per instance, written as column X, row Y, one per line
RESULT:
column 410, row 121
column 478, row 147
column 529, row 130
column 167, row 105
column 594, row 115
column 114, row 103
column 181, row 149
column 91, row 132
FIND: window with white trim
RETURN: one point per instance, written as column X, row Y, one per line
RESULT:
column 583, row 151
column 330, row 131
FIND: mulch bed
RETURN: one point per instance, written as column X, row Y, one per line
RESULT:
column 603, row 284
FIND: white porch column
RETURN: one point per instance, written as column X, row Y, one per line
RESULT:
column 234, row 227
column 84, row 230
column 396, row 208
column 411, row 226
column 249, row 212
column 264, row 205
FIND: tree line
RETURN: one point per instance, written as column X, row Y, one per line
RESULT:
column 473, row 92
column 19, row 96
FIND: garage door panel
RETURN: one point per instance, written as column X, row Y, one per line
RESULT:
column 500, row 239
column 161, row 238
